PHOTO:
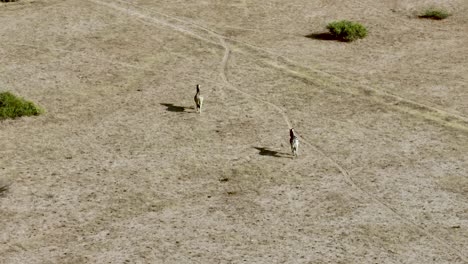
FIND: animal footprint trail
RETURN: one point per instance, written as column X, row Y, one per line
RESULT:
column 152, row 19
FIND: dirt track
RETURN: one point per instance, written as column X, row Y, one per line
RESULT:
column 122, row 170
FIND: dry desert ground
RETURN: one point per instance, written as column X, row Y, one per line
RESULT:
column 120, row 169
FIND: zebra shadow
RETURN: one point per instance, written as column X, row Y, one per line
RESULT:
column 175, row 108
column 271, row 153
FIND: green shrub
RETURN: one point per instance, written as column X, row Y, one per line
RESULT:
column 12, row 106
column 345, row 30
column 434, row 13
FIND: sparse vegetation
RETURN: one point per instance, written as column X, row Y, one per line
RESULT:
column 435, row 13
column 12, row 106
column 345, row 30
column 4, row 186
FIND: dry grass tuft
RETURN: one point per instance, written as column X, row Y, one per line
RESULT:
column 4, row 187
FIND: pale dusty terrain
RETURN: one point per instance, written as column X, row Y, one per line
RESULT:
column 122, row 170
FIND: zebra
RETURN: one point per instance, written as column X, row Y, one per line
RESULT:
column 198, row 100
column 294, row 141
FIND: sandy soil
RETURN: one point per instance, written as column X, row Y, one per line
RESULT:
column 122, row 170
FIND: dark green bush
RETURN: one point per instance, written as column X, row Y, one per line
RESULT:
column 345, row 30
column 12, row 106
column 434, row 13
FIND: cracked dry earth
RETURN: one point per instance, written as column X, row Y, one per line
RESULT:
column 122, row 170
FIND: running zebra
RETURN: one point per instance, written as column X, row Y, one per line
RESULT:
column 198, row 100
column 294, row 141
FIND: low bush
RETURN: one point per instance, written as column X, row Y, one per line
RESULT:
column 345, row 30
column 12, row 106
column 435, row 13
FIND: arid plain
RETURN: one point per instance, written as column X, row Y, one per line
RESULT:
column 121, row 169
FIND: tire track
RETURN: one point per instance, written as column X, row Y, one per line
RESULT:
column 317, row 149
column 141, row 16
